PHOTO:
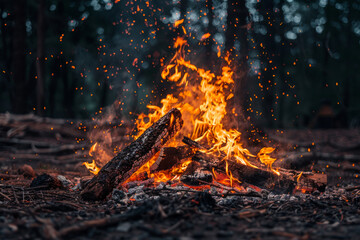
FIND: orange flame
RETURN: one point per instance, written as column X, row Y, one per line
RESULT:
column 266, row 159
column 92, row 149
column 92, row 167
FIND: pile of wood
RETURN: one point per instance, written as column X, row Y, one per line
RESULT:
column 198, row 172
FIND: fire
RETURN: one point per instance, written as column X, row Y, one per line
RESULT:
column 92, row 149
column 266, row 159
column 203, row 103
column 92, row 167
column 101, row 157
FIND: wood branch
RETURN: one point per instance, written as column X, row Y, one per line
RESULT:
column 131, row 158
column 171, row 156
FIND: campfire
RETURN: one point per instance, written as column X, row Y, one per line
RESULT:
column 187, row 141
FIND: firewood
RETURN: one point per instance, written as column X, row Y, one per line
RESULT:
column 131, row 158
column 258, row 176
column 263, row 178
column 171, row 156
column 194, row 175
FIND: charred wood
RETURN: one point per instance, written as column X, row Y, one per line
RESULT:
column 171, row 156
column 194, row 175
column 131, row 158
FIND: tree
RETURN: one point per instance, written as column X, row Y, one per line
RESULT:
column 40, row 57
column 19, row 96
column 236, row 30
column 268, row 59
column 211, row 30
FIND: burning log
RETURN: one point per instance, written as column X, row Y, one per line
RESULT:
column 171, row 156
column 194, row 175
column 255, row 176
column 285, row 182
column 131, row 158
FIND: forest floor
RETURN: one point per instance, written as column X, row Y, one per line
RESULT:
column 58, row 147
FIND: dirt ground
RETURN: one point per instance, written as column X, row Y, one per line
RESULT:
column 168, row 211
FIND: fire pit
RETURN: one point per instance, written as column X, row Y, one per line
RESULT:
column 216, row 158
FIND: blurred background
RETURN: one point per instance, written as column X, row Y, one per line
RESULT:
column 296, row 62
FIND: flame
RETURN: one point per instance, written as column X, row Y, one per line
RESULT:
column 92, row 149
column 298, row 178
column 92, row 167
column 203, row 104
column 266, row 159
column 100, row 154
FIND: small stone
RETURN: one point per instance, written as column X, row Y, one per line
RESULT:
column 65, row 182
column 27, row 171
column 137, row 189
column 341, row 190
column 315, row 193
column 140, row 196
column 124, row 227
column 284, row 197
column 118, row 195
column 46, row 181
column 292, row 198
column 225, row 234
column 13, row 227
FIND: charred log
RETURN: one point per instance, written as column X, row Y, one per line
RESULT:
column 171, row 156
column 129, row 160
column 194, row 175
column 263, row 178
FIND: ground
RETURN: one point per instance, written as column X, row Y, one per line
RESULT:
column 170, row 212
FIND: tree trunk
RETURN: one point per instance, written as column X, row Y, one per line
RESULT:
column 19, row 96
column 236, row 30
column 210, row 29
column 40, row 58
column 268, row 60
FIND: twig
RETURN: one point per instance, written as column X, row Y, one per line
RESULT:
column 16, row 199
column 2, row 194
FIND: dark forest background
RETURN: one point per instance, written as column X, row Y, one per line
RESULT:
column 296, row 61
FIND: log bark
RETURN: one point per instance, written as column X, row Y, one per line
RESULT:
column 263, row 178
column 171, row 156
column 194, row 175
column 131, row 158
